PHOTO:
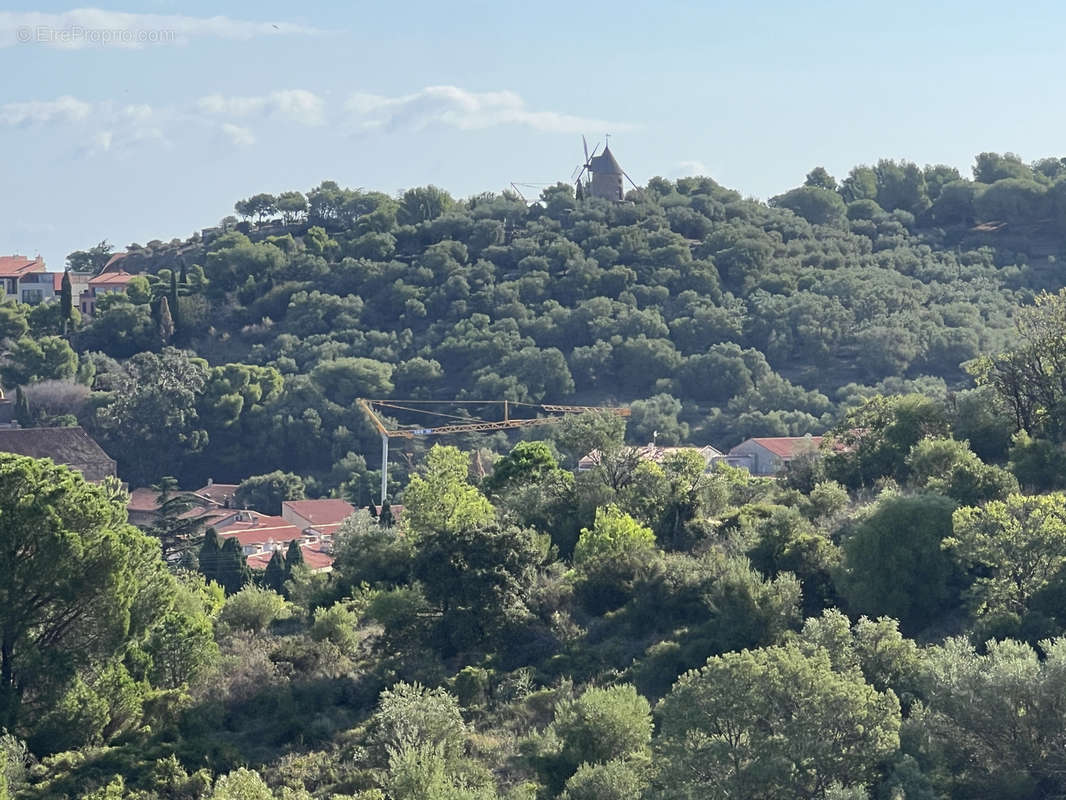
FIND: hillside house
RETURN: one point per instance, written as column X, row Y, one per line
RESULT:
column 70, row 446
column 103, row 284
column 14, row 269
column 770, row 455
column 260, row 533
column 28, row 281
column 143, row 508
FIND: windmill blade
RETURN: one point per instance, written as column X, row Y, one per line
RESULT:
column 575, row 173
column 581, row 174
column 585, row 144
column 630, row 181
column 589, row 158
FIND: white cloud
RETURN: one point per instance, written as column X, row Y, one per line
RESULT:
column 236, row 135
column 465, row 110
column 298, row 105
column 690, row 169
column 95, row 27
column 101, row 142
column 40, row 112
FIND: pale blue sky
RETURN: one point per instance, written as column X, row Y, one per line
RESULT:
column 156, row 141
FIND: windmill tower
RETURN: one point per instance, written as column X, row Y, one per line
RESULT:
column 601, row 175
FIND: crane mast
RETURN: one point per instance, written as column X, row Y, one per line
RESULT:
column 559, row 411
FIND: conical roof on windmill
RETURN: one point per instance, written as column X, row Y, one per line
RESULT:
column 605, row 162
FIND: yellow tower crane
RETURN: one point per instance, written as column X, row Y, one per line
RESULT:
column 466, row 424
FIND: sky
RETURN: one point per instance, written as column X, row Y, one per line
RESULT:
column 140, row 121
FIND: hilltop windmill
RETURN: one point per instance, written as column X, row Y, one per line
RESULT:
column 604, row 175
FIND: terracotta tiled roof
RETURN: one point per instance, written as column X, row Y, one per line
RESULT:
column 111, row 279
column 321, row 512
column 315, row 559
column 17, row 266
column 788, row 446
column 71, row 446
column 218, row 493
column 143, row 500
column 259, row 529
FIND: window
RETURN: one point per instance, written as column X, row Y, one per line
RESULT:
column 32, row 296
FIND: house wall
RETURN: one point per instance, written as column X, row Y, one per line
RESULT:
column 289, row 515
column 763, row 462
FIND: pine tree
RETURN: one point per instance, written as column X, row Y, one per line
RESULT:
column 166, row 322
column 385, row 518
column 294, row 557
column 66, row 301
column 276, row 572
column 373, row 509
column 175, row 304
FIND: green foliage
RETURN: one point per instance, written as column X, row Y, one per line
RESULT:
column 817, row 205
column 77, row 584
column 773, row 722
column 893, row 562
column 265, row 493
column 614, row 535
column 614, row 780
column 443, row 500
column 1015, row 547
column 411, row 716
column 875, row 439
column 994, row 720
column 366, row 552
column 950, row 468
column 601, row 726
column 253, row 609
column 480, row 578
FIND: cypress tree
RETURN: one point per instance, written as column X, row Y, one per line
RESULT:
column 373, row 509
column 385, row 518
column 274, row 577
column 22, row 409
column 232, row 568
column 66, row 301
column 175, row 305
column 210, row 555
column 166, row 322
column 294, row 557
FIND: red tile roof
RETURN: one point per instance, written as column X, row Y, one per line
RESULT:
column 315, row 559
column 143, row 500
column 16, row 266
column 219, row 493
column 111, row 279
column 260, row 529
column 788, row 446
column 327, row 511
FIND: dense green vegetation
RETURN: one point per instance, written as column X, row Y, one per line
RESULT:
column 717, row 317
column 884, row 620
